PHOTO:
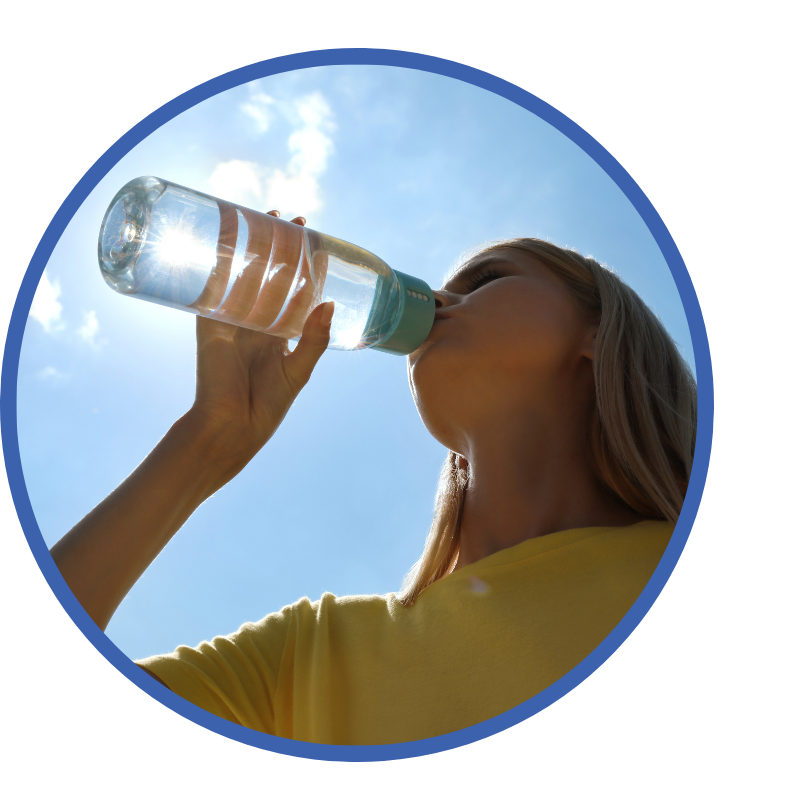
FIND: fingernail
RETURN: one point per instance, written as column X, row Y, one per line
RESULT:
column 327, row 312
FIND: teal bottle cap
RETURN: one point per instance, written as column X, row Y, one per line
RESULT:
column 417, row 309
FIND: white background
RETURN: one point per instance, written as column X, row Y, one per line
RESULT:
column 702, row 103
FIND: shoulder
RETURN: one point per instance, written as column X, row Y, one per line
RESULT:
column 635, row 550
column 656, row 532
column 328, row 608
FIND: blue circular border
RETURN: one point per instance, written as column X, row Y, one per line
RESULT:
column 429, row 64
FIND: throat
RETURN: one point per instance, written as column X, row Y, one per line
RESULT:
column 502, row 511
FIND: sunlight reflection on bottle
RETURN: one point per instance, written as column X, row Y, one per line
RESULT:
column 351, row 327
column 179, row 245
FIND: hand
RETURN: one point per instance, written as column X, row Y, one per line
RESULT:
column 247, row 381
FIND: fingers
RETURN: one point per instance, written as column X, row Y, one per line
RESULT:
column 271, row 298
column 314, row 340
column 262, row 235
column 208, row 329
column 297, row 221
column 289, row 274
column 291, row 321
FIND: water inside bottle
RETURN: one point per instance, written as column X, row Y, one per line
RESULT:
column 176, row 247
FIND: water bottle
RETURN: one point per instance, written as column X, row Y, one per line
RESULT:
column 168, row 244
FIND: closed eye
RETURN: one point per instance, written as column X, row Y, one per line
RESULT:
column 482, row 277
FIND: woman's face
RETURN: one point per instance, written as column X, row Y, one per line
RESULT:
column 508, row 340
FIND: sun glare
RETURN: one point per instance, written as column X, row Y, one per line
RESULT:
column 179, row 246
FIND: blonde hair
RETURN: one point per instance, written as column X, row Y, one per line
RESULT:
column 644, row 423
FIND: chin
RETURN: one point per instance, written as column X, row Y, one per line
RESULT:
column 437, row 395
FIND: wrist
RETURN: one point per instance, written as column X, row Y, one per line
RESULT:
column 211, row 448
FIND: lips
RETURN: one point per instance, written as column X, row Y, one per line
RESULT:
column 440, row 315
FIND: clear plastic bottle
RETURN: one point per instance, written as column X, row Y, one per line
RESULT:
column 168, row 244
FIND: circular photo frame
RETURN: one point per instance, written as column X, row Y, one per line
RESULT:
column 346, row 57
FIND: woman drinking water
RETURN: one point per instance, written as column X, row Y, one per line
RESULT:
column 569, row 417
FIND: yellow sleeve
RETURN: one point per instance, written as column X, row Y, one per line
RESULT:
column 234, row 676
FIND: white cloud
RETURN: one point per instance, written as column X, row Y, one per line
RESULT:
column 49, row 373
column 293, row 194
column 310, row 148
column 314, row 110
column 238, row 181
column 46, row 308
column 88, row 331
column 295, row 189
column 258, row 108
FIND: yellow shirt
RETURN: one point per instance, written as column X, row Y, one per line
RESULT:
column 365, row 670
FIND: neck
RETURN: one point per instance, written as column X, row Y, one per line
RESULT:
column 526, row 481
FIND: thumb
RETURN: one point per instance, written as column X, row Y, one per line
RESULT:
column 312, row 344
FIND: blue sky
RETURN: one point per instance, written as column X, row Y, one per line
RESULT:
column 415, row 167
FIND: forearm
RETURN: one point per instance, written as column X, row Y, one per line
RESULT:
column 246, row 383
column 104, row 555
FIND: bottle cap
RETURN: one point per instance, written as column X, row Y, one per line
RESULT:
column 417, row 310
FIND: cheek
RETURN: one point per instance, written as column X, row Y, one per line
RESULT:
column 527, row 338
column 459, row 377
column 515, row 336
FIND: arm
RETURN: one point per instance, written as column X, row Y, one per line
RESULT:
column 104, row 555
column 246, row 383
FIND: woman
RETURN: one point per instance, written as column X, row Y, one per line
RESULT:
column 570, row 419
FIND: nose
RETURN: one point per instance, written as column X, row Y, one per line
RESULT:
column 443, row 299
